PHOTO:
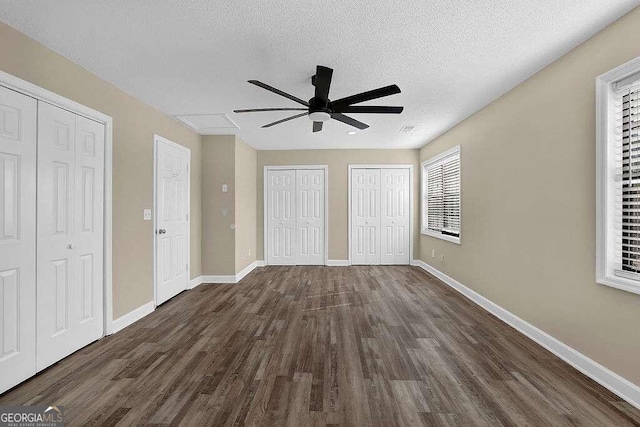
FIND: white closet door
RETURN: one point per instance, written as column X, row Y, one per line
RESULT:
column 69, row 233
column 310, row 216
column 394, row 237
column 365, row 216
column 281, row 217
column 17, row 238
column 172, row 177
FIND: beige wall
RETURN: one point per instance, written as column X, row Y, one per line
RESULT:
column 245, row 186
column 228, row 160
column 134, row 124
column 218, row 238
column 338, row 162
column 528, row 205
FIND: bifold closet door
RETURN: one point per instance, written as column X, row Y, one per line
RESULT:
column 281, row 217
column 365, row 216
column 17, row 238
column 394, row 216
column 310, row 216
column 70, row 237
column 380, row 216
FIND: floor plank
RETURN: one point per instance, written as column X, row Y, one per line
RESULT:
column 321, row 346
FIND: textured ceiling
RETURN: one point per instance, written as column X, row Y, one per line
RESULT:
column 449, row 57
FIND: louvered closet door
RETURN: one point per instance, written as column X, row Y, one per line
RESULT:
column 365, row 216
column 281, row 217
column 69, row 233
column 395, row 216
column 17, row 238
column 310, row 216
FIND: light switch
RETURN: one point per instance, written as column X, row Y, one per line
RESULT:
column 225, row 188
column 146, row 214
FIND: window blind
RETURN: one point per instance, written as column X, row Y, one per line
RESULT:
column 442, row 207
column 627, row 194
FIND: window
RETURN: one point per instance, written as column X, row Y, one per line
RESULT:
column 441, row 196
column 618, row 178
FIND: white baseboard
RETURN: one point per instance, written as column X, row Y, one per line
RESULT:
column 338, row 262
column 231, row 278
column 605, row 377
column 196, row 281
column 133, row 316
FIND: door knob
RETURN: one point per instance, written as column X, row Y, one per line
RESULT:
column 162, row 231
column 71, row 246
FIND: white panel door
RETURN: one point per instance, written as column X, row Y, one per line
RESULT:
column 69, row 233
column 310, row 216
column 365, row 216
column 394, row 198
column 17, row 238
column 172, row 178
column 281, row 217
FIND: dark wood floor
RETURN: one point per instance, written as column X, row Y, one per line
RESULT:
column 322, row 345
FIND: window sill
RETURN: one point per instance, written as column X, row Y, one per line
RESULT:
column 620, row 283
column 441, row 236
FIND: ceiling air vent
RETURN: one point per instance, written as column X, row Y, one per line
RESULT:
column 406, row 129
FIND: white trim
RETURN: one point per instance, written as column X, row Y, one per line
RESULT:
column 435, row 159
column 338, row 262
column 260, row 263
column 411, row 208
column 615, row 383
column 133, row 316
column 265, row 195
column 604, row 202
column 41, row 94
column 157, row 138
column 230, row 278
column 195, row 282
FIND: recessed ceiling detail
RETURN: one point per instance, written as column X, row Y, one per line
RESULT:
column 450, row 57
column 209, row 124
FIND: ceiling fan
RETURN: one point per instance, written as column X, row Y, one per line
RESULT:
column 320, row 108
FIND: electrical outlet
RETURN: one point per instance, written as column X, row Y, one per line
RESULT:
column 225, row 188
column 225, row 212
column 146, row 214
column 442, row 257
column 433, row 253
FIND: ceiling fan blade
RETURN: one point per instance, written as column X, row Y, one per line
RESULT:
column 371, row 109
column 365, row 96
column 322, row 82
column 317, row 126
column 348, row 120
column 278, row 91
column 269, row 109
column 285, row 120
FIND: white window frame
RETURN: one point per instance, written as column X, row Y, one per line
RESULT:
column 605, row 172
column 455, row 151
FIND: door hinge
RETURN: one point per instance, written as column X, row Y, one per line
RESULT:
column 187, row 266
column 187, row 217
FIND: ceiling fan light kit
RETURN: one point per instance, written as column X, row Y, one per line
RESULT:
column 320, row 109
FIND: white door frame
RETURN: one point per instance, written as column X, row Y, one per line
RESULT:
column 156, row 139
column 265, row 200
column 14, row 83
column 410, row 167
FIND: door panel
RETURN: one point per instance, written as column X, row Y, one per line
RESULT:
column 365, row 216
column 172, row 221
column 70, row 233
column 17, row 237
column 282, row 246
column 395, row 216
column 310, row 216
